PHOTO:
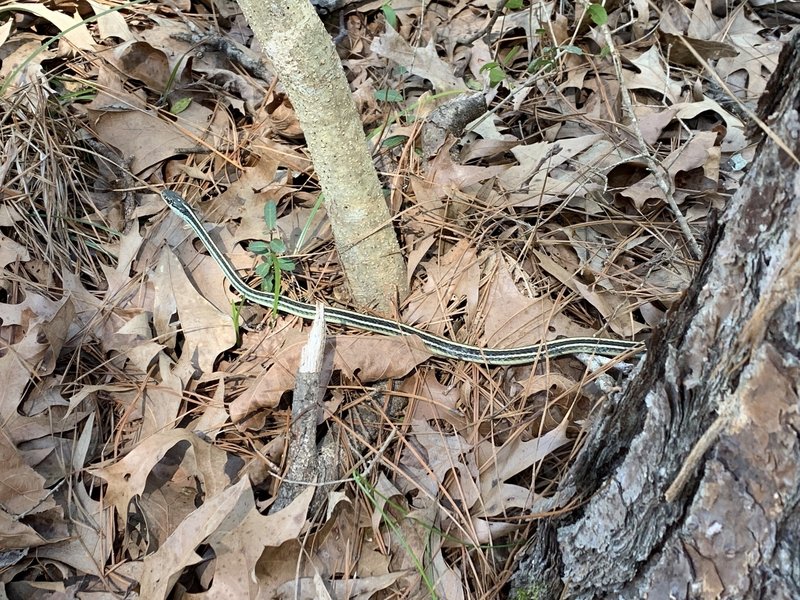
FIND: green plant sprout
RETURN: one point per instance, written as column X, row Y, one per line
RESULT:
column 236, row 316
column 307, row 227
column 389, row 508
column 406, row 113
column 273, row 264
column 597, row 13
column 373, row 497
column 497, row 69
column 82, row 94
column 390, row 15
column 550, row 55
column 181, row 104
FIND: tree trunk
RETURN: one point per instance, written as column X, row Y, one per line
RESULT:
column 692, row 474
column 303, row 55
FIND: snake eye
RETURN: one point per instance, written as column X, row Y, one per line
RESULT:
column 171, row 198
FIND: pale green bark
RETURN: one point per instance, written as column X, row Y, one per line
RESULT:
column 303, row 55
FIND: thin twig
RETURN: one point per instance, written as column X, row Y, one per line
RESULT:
column 467, row 40
column 664, row 183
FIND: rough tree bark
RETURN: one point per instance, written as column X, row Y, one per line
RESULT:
column 692, row 475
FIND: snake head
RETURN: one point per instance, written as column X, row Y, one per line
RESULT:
column 172, row 199
column 176, row 203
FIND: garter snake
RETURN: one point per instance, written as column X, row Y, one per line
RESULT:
column 436, row 344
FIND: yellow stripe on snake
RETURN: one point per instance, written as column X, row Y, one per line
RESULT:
column 436, row 344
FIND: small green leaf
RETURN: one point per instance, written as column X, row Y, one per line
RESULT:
column 235, row 316
column 286, row 264
column 180, row 105
column 514, row 4
column 394, row 140
column 276, row 288
column 574, row 49
column 543, row 63
column 271, row 214
column 277, row 246
column 496, row 76
column 474, row 84
column 605, row 52
column 263, row 270
column 496, row 73
column 388, row 95
column 598, row 14
column 390, row 15
column 307, row 227
column 258, row 247
column 509, row 58
column 78, row 95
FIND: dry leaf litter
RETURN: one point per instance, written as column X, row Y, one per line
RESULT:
column 144, row 437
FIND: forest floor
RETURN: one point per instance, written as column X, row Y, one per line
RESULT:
column 147, row 413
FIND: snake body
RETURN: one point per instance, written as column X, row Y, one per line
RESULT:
column 436, row 344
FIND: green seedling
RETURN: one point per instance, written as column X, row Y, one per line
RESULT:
column 390, row 15
column 273, row 263
column 597, row 13
column 497, row 69
column 388, row 519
